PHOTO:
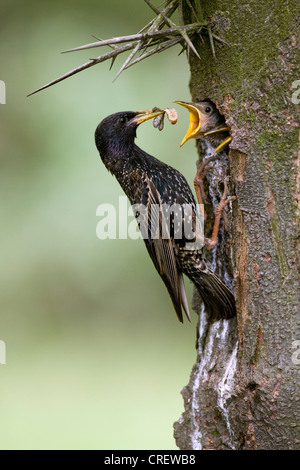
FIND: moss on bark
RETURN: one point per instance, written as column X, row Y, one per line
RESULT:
column 251, row 81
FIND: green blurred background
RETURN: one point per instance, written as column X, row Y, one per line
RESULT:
column 96, row 358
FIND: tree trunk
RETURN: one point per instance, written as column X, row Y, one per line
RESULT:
column 242, row 392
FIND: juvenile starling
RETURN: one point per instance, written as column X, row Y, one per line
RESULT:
column 149, row 182
column 206, row 121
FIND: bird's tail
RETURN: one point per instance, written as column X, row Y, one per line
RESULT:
column 218, row 299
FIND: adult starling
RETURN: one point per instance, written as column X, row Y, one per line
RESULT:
column 206, row 121
column 151, row 183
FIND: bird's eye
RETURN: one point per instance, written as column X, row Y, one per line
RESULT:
column 122, row 120
column 207, row 109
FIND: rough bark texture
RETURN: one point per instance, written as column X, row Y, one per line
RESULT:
column 243, row 389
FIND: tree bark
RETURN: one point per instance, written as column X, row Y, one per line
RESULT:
column 242, row 392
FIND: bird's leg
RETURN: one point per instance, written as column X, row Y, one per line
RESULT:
column 211, row 242
column 203, row 167
column 198, row 180
column 201, row 197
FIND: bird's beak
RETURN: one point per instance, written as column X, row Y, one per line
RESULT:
column 143, row 116
column 195, row 120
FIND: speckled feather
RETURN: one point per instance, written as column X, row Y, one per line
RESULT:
column 146, row 180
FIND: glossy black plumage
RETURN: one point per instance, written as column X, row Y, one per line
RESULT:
column 146, row 180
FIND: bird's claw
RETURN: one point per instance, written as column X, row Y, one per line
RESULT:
column 202, row 168
column 225, row 199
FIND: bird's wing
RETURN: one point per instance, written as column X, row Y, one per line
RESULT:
column 161, row 251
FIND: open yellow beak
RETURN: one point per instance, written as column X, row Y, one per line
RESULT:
column 195, row 121
column 143, row 116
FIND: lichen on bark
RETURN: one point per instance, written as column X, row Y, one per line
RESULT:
column 251, row 81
